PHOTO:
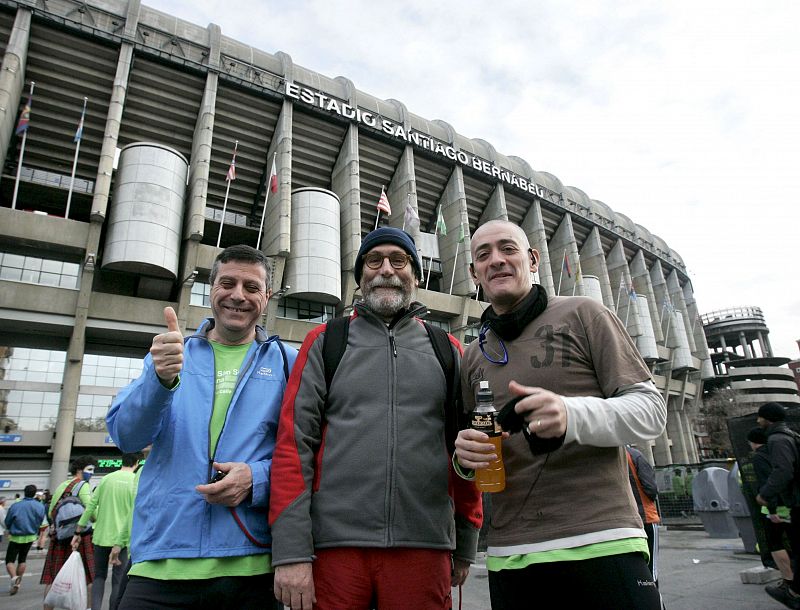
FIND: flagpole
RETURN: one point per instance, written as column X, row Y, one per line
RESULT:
column 227, row 191
column 619, row 292
column 453, row 276
column 408, row 203
column 377, row 218
column 561, row 273
column 21, row 154
column 75, row 160
column 628, row 312
column 430, row 261
column 266, row 199
column 263, row 215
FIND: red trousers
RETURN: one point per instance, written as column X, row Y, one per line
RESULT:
column 389, row 579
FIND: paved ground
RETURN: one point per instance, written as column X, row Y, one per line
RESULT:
column 697, row 573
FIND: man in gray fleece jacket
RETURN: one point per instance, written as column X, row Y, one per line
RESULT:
column 365, row 507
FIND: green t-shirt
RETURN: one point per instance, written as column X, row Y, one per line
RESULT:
column 227, row 362
column 590, row 551
column 109, row 508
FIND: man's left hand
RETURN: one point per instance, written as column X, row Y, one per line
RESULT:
column 231, row 490
column 75, row 542
column 544, row 412
column 460, row 572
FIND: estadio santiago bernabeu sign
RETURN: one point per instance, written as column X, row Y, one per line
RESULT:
column 325, row 102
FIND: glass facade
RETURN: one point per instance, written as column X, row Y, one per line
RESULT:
column 30, row 388
column 298, row 309
column 38, row 270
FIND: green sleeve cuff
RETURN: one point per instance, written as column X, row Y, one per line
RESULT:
column 465, row 473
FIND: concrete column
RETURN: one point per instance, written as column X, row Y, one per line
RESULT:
column 73, row 366
column 402, row 192
column 496, row 206
column 767, row 345
column 675, row 431
column 533, row 225
column 744, row 346
column 678, row 301
column 620, row 278
column 275, row 240
column 12, row 77
column 659, row 284
column 691, row 444
column 563, row 240
column 275, row 283
column 105, row 167
column 454, row 211
column 593, row 262
column 662, row 450
column 346, row 184
column 642, row 284
column 200, row 163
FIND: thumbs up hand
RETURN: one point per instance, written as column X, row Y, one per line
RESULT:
column 167, row 350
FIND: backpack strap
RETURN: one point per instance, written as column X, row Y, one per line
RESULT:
column 443, row 350
column 333, row 345
column 67, row 492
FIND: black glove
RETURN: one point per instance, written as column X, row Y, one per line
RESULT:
column 512, row 422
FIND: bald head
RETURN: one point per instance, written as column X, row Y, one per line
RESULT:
column 504, row 225
column 502, row 263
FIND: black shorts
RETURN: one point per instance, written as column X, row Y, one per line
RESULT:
column 616, row 582
column 18, row 551
column 227, row 592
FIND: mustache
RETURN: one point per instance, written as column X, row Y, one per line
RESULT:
column 386, row 282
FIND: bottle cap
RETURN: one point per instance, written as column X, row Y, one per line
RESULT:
column 484, row 393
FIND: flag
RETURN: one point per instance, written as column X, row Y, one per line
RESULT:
column 24, row 117
column 411, row 215
column 632, row 294
column 231, row 175
column 461, row 235
column 441, row 227
column 79, row 131
column 273, row 177
column 566, row 265
column 383, row 204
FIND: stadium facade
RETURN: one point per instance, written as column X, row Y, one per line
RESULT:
column 168, row 103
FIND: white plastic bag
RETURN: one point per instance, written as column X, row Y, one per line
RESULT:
column 69, row 587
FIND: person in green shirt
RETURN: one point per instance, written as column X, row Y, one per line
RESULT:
column 110, row 508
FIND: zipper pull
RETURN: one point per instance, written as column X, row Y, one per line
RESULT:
column 394, row 347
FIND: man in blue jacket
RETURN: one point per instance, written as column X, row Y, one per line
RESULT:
column 209, row 405
column 22, row 521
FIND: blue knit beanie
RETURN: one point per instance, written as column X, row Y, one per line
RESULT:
column 388, row 235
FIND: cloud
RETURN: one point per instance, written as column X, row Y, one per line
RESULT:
column 682, row 116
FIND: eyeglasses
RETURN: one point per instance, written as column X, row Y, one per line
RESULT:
column 501, row 359
column 398, row 260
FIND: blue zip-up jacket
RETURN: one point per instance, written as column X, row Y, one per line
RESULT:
column 170, row 518
column 24, row 517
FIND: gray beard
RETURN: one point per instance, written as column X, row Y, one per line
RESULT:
column 387, row 305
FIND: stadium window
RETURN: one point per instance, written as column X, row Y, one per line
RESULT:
column 201, row 294
column 34, row 270
column 299, row 309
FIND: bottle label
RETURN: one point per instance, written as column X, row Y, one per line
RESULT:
column 486, row 422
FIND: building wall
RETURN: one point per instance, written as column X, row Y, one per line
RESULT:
column 150, row 77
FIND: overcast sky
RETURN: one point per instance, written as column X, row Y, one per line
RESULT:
column 681, row 115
